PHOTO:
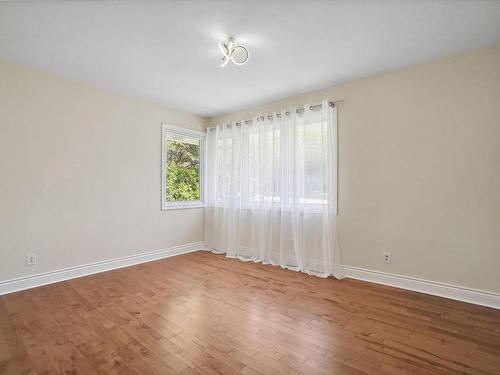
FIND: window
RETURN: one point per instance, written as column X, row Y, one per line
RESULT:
column 276, row 164
column 182, row 167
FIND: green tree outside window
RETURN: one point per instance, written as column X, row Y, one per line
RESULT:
column 183, row 170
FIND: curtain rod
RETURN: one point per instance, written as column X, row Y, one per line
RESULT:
column 287, row 113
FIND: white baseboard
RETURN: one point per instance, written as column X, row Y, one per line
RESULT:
column 27, row 282
column 459, row 293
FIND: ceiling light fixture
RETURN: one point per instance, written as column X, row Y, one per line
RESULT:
column 233, row 51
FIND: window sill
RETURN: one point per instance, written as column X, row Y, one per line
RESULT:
column 301, row 210
column 181, row 207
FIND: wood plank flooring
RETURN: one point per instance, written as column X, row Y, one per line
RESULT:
column 201, row 313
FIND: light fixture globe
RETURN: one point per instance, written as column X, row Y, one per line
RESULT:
column 239, row 55
column 233, row 51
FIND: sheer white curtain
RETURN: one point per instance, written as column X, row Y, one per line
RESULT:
column 271, row 190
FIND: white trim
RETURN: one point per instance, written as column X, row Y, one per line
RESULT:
column 435, row 288
column 183, row 131
column 181, row 206
column 201, row 137
column 28, row 282
column 454, row 292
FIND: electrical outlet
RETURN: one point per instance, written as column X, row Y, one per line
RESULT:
column 31, row 259
column 386, row 256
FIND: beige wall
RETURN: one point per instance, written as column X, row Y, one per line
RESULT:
column 419, row 169
column 80, row 174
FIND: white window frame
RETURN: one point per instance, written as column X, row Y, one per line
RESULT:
column 167, row 130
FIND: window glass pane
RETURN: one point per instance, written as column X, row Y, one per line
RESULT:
column 224, row 168
column 182, row 169
column 314, row 166
column 253, row 168
column 276, row 168
column 264, row 179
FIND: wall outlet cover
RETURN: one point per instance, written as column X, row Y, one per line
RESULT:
column 31, row 259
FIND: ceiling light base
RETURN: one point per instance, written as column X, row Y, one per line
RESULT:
column 232, row 50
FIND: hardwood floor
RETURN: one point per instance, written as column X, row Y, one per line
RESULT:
column 203, row 313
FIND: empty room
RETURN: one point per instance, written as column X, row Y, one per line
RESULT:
column 250, row 187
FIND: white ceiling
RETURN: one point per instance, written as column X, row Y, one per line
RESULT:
column 167, row 51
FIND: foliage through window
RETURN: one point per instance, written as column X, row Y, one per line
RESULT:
column 182, row 168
